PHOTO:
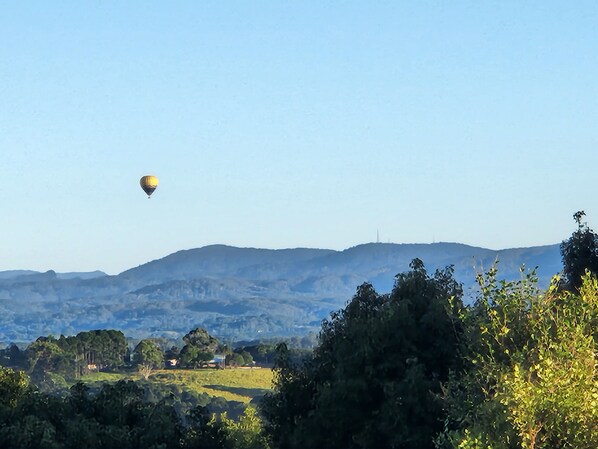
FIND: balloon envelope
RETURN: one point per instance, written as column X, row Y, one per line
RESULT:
column 148, row 184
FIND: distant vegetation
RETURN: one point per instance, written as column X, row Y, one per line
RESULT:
column 415, row 368
column 117, row 416
column 55, row 363
column 92, row 391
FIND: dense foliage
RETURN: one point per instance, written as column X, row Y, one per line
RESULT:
column 517, row 369
column 579, row 253
column 118, row 416
column 532, row 369
column 147, row 356
column 49, row 361
column 375, row 377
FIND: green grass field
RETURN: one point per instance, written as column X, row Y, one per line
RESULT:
column 232, row 384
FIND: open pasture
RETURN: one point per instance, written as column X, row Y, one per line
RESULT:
column 235, row 384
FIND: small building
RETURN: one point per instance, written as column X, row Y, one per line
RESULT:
column 219, row 361
column 171, row 363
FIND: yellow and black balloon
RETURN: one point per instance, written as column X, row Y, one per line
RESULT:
column 148, row 183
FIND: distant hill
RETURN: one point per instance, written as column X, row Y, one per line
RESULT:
column 15, row 273
column 223, row 261
column 16, row 276
column 235, row 293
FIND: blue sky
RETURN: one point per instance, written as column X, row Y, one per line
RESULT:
column 291, row 124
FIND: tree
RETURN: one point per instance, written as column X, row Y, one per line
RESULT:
column 579, row 253
column 49, row 364
column 376, row 372
column 235, row 359
column 147, row 356
column 240, row 357
column 103, row 348
column 13, row 385
column 247, row 432
column 532, row 375
column 200, row 348
column 203, row 431
column 247, row 357
column 193, row 357
column 201, row 339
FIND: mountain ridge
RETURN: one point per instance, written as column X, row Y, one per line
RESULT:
column 237, row 293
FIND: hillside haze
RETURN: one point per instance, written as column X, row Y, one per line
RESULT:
column 235, row 293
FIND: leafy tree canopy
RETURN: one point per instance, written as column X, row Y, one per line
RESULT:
column 532, row 369
column 376, row 372
column 579, row 253
column 148, row 353
column 201, row 339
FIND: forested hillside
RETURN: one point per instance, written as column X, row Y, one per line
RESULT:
column 236, row 293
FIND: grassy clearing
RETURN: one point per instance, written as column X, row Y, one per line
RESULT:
column 94, row 378
column 231, row 384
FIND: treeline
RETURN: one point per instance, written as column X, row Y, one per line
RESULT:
column 50, row 361
column 54, row 363
column 118, row 416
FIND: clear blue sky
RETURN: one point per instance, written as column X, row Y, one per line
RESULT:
column 291, row 124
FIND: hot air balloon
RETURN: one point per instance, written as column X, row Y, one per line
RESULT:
column 148, row 184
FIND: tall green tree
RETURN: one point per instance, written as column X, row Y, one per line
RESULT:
column 579, row 253
column 147, row 356
column 192, row 356
column 201, row 339
column 49, row 365
column 247, row 432
column 200, row 347
column 103, row 348
column 13, row 386
column 377, row 371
